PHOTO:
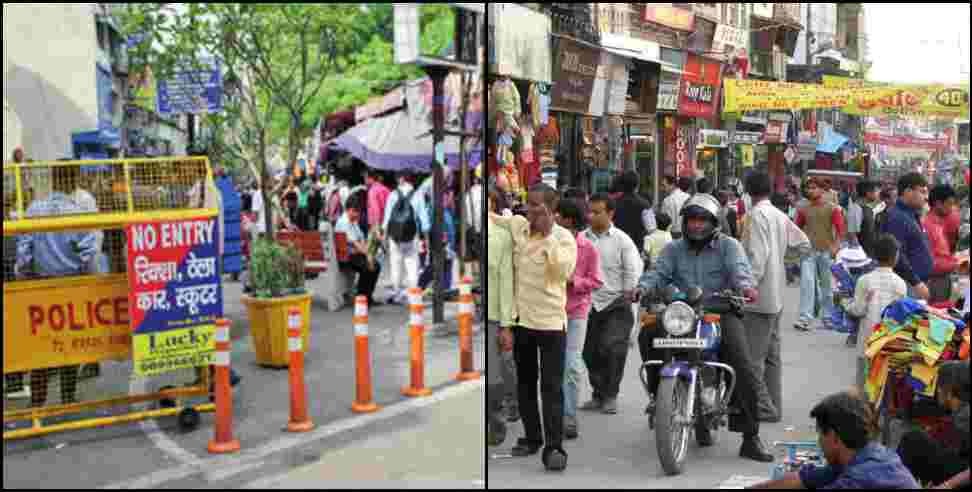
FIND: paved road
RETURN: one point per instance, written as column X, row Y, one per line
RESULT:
column 619, row 451
column 157, row 454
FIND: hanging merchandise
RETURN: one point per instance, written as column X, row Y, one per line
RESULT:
column 529, row 167
column 505, row 98
column 539, row 102
column 548, row 134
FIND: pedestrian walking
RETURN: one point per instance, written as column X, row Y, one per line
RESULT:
column 545, row 258
column 404, row 225
column 823, row 223
column 586, row 279
column 904, row 223
column 767, row 236
column 656, row 241
column 609, row 330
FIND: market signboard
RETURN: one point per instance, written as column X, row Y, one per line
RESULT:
column 905, row 141
column 673, row 17
column 668, row 87
column 699, row 94
column 760, row 95
column 175, row 293
column 853, row 97
column 574, row 71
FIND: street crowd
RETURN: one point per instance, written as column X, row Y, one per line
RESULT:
column 566, row 271
column 387, row 227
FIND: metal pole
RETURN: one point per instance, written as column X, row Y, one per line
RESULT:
column 437, row 247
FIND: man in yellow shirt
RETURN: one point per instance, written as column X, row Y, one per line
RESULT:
column 545, row 256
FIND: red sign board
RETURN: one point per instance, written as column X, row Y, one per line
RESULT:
column 775, row 132
column 906, row 141
column 675, row 18
column 684, row 150
column 699, row 93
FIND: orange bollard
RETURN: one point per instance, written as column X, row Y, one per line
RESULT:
column 363, row 402
column 466, row 312
column 223, row 441
column 417, row 335
column 299, row 421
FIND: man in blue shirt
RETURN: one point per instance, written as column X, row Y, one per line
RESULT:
column 904, row 223
column 846, row 424
column 712, row 261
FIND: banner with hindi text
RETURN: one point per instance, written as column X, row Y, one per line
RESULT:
column 175, row 293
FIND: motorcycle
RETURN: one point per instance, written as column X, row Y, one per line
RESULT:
column 694, row 388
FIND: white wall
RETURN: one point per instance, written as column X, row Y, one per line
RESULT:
column 823, row 24
column 49, row 76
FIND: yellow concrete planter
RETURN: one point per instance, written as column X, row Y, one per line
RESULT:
column 268, row 327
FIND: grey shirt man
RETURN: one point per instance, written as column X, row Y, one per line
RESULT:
column 621, row 265
column 766, row 239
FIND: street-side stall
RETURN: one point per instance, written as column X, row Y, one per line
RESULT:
column 111, row 291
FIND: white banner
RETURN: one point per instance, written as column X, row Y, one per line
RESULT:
column 728, row 35
column 522, row 42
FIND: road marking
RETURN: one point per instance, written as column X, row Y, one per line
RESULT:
column 159, row 438
column 218, row 476
column 241, row 461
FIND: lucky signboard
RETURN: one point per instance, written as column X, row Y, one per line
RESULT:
column 175, row 293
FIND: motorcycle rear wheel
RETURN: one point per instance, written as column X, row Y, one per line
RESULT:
column 671, row 438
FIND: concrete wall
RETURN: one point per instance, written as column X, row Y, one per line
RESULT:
column 49, row 87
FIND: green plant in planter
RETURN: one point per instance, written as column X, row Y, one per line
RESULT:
column 276, row 270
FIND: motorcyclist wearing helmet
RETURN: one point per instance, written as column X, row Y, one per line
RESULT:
column 713, row 261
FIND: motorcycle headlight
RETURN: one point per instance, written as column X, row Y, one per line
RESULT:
column 679, row 319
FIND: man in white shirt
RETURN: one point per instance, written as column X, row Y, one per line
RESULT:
column 677, row 196
column 611, row 317
column 766, row 236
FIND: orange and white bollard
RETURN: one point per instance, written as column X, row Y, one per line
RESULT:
column 416, row 323
column 299, row 421
column 223, row 441
column 466, row 312
column 363, row 400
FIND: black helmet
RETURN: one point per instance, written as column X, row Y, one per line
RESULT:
column 701, row 206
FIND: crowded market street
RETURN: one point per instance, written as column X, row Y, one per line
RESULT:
column 618, row 451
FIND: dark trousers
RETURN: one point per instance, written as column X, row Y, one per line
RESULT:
column 606, row 349
column 367, row 279
column 551, row 346
column 734, row 351
column 928, row 460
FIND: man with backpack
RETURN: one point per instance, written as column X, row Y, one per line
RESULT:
column 406, row 223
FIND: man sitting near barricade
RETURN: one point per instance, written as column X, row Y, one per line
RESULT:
column 360, row 261
column 846, row 426
column 54, row 255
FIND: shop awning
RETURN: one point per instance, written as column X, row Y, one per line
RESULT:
column 833, row 143
column 637, row 49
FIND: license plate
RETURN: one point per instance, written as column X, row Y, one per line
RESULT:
column 686, row 343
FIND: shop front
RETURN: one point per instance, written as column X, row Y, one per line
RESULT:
column 522, row 132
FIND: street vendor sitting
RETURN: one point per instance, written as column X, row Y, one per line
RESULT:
column 934, row 461
column 846, row 426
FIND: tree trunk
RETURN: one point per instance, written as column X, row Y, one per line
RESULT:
column 265, row 183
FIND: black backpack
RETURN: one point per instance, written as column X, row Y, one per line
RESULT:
column 402, row 225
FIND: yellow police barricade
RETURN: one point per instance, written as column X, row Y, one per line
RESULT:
column 67, row 351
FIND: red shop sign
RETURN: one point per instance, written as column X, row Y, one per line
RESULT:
column 699, row 92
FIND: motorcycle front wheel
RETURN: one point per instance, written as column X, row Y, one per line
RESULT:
column 671, row 437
